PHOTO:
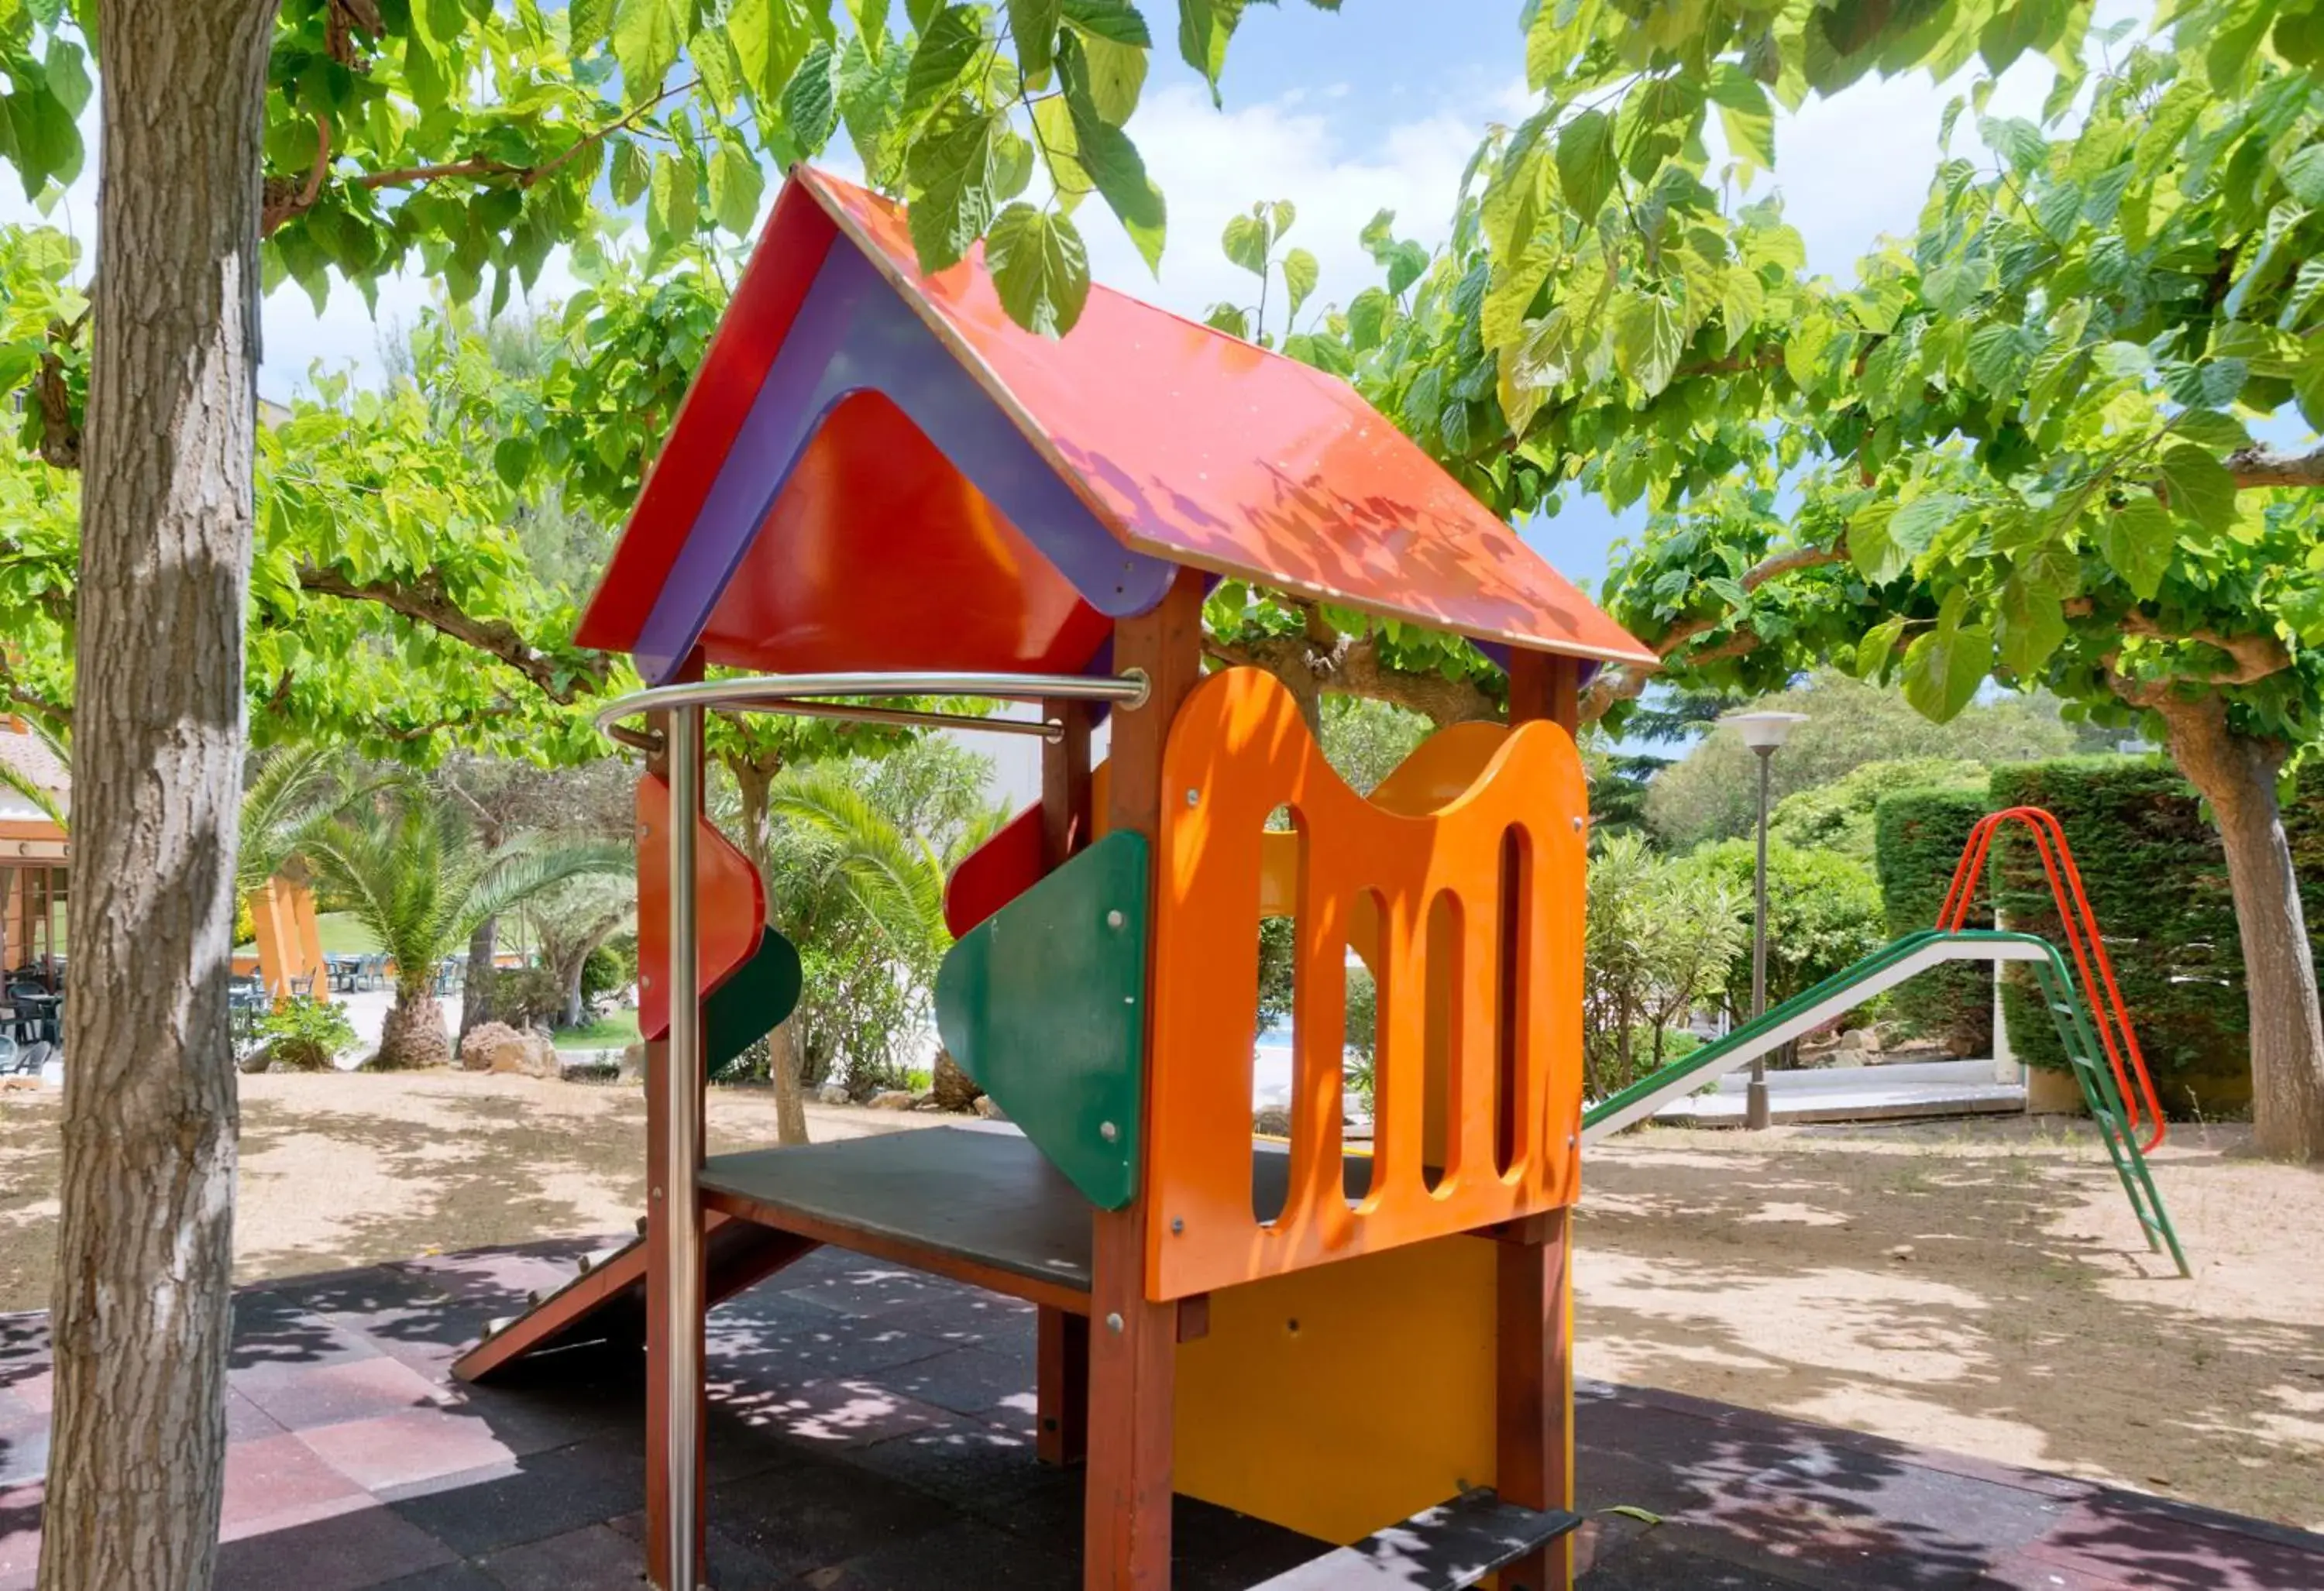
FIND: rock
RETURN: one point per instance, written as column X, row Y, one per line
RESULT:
column 496, row 1046
column 833, row 1093
column 11, row 1084
column 986, row 1109
column 633, row 1062
column 1274, row 1122
column 1903, row 1251
column 893, row 1099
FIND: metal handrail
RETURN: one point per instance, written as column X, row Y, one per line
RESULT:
column 800, row 695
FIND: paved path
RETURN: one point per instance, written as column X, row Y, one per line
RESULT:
column 870, row 1428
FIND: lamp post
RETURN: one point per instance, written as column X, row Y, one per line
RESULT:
column 1763, row 732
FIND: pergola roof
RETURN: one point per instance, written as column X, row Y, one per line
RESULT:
column 877, row 469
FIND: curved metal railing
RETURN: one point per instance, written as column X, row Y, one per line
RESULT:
column 810, row 695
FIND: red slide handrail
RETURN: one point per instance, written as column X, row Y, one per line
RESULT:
column 2110, row 1015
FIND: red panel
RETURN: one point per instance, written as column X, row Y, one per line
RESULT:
column 730, row 905
column 781, row 270
column 1204, row 449
column 878, row 554
column 996, row 872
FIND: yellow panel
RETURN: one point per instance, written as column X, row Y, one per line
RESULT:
column 1344, row 1398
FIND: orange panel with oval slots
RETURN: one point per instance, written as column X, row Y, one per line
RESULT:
column 1480, row 898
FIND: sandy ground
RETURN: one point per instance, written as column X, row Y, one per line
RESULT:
column 1977, row 1287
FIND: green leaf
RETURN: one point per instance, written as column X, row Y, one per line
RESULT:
column 2137, row 541
column 2205, row 428
column 949, row 48
column 1742, row 300
column 2303, row 174
column 1877, row 647
column 48, row 143
column 735, row 186
column 810, row 101
column 1744, row 114
column 1115, row 50
column 2199, row 486
column 586, row 23
column 1039, row 267
column 1369, row 314
column 1033, row 25
column 1114, row 165
column 1229, row 318
column 1586, row 162
column 1245, row 242
column 1943, row 668
column 646, row 34
column 719, row 67
column 68, row 72
column 961, row 173
column 1204, row 26
column 1117, row 22
column 1647, row 342
column 2032, row 626
column 770, row 37
column 2016, row 140
column 631, row 171
column 1300, row 274
column 512, row 460
column 672, row 206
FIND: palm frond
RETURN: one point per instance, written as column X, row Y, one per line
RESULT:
column 897, row 882
column 14, row 778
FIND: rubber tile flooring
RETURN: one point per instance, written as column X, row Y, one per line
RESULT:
column 871, row 1428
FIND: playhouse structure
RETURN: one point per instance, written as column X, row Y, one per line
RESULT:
column 879, row 493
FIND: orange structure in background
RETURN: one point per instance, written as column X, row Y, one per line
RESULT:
column 288, row 939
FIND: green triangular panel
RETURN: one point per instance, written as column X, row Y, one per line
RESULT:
column 747, row 1006
column 1043, row 1004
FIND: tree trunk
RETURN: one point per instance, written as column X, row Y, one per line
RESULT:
column 146, row 1246
column 477, row 988
column 783, row 1073
column 2236, row 775
column 412, row 1036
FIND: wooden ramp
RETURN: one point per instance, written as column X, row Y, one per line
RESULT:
column 605, row 1301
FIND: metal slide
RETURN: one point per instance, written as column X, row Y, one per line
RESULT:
column 1884, row 969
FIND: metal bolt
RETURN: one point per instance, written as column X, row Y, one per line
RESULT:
column 1577, row 825
column 644, row 830
column 1113, row 1322
column 1573, row 1139
column 1193, row 798
column 1108, row 1131
column 645, row 980
column 1113, row 919
column 657, row 1193
column 1177, row 1225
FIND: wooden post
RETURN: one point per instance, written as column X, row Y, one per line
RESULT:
column 1061, row 1363
column 661, row 1095
column 1534, row 1311
column 1133, row 1344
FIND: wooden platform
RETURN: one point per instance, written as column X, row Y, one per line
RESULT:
column 978, row 1203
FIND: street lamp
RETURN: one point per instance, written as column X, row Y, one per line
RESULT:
column 1763, row 732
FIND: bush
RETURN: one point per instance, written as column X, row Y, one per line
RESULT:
column 1840, row 816
column 302, row 1033
column 2157, row 879
column 526, row 997
column 1918, row 835
column 1823, row 913
column 1660, row 937
column 611, row 967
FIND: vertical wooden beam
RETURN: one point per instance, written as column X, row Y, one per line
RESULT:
column 1133, row 1344
column 661, row 1096
column 1534, row 1310
column 1061, row 1365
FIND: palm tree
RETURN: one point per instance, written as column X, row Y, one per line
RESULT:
column 860, row 880
column 41, row 796
column 413, row 872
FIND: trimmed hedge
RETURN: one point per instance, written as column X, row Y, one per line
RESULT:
column 2157, row 879
column 1918, row 835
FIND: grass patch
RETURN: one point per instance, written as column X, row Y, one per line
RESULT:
column 615, row 1030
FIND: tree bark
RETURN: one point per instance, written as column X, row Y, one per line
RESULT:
column 2236, row 775
column 783, row 1073
column 477, row 988
column 145, row 1246
column 413, row 1037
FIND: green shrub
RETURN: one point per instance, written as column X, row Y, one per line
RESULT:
column 1840, row 816
column 2157, row 879
column 302, row 1033
column 1823, row 913
column 1918, row 835
column 611, row 967
column 526, row 997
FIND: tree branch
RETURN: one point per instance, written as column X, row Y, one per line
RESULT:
column 424, row 602
column 1623, row 682
column 1353, row 667
column 2257, row 467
